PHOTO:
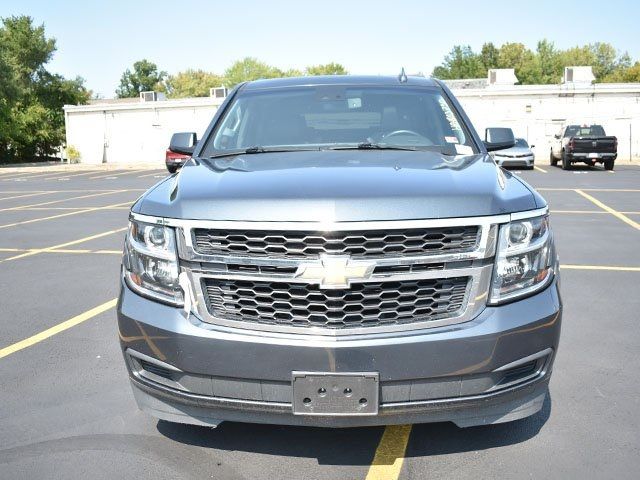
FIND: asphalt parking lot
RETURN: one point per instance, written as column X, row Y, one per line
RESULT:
column 66, row 409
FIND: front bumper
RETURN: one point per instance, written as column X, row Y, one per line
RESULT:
column 515, row 161
column 454, row 373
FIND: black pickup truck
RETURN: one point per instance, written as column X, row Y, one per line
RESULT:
column 584, row 143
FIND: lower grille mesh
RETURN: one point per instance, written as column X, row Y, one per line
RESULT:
column 362, row 305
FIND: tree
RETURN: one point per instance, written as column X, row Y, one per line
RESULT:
column 144, row 77
column 461, row 62
column 489, row 56
column 248, row 69
column 624, row 75
column 544, row 66
column 31, row 98
column 326, row 69
column 192, row 83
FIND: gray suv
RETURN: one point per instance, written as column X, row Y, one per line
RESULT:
column 340, row 251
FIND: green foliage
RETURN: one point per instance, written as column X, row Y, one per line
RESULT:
column 543, row 66
column 191, row 83
column 326, row 69
column 461, row 62
column 145, row 77
column 624, row 75
column 72, row 153
column 248, row 69
column 31, row 98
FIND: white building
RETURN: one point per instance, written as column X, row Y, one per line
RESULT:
column 135, row 131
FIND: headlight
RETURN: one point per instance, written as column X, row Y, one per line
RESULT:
column 523, row 259
column 150, row 262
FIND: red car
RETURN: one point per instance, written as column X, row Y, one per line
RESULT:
column 175, row 160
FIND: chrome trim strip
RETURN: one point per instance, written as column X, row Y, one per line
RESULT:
column 529, row 213
column 154, row 361
column 544, row 353
column 324, row 226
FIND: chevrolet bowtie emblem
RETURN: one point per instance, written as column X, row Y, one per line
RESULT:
column 334, row 271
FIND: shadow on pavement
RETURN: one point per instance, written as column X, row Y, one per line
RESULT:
column 444, row 438
column 353, row 446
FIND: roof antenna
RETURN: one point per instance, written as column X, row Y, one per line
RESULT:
column 402, row 78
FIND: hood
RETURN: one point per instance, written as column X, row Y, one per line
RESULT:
column 338, row 185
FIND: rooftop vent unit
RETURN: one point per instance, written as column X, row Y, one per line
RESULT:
column 148, row 96
column 574, row 75
column 218, row 92
column 501, row 76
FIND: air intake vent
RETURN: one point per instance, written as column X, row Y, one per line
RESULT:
column 155, row 369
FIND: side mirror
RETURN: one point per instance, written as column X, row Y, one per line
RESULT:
column 532, row 147
column 183, row 142
column 557, row 136
column 498, row 139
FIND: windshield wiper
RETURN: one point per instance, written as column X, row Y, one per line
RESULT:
column 372, row 146
column 259, row 149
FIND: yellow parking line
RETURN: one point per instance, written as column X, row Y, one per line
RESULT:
column 389, row 456
column 60, row 250
column 74, row 208
column 61, row 327
column 75, row 174
column 554, row 189
column 600, row 267
column 152, row 174
column 28, row 176
column 117, row 174
column 539, row 169
column 52, row 202
column 60, row 215
column 28, row 195
column 579, row 211
column 613, row 212
column 62, row 245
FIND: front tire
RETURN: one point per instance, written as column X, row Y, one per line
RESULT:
column 553, row 161
column 608, row 164
column 566, row 163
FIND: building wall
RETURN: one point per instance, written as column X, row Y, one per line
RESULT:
column 536, row 113
column 134, row 132
column 139, row 132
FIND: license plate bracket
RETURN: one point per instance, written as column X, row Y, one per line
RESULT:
column 594, row 155
column 335, row 394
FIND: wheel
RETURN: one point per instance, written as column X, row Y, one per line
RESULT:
column 566, row 164
column 608, row 164
column 553, row 161
column 172, row 168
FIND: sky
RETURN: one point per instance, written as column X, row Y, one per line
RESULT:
column 99, row 40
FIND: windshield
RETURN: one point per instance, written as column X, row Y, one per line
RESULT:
column 521, row 142
column 585, row 131
column 333, row 115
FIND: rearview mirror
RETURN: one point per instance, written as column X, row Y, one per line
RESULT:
column 183, row 142
column 498, row 138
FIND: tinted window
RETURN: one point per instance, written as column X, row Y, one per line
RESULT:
column 585, row 131
column 328, row 115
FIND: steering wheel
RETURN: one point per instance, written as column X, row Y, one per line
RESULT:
column 401, row 132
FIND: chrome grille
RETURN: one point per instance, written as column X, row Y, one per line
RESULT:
column 358, row 244
column 370, row 304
